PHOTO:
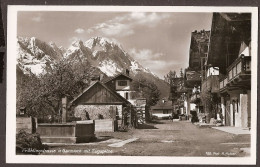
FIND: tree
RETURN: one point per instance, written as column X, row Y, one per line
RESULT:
column 181, row 74
column 173, row 80
column 41, row 95
column 175, row 83
column 169, row 77
column 146, row 89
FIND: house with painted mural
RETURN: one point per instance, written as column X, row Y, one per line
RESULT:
column 99, row 102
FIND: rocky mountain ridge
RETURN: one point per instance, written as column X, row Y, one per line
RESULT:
column 108, row 56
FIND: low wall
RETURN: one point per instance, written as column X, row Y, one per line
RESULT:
column 105, row 125
column 66, row 133
column 27, row 124
column 84, row 130
column 56, row 130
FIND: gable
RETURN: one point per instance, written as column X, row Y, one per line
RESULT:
column 119, row 77
column 112, row 82
column 122, row 77
column 99, row 94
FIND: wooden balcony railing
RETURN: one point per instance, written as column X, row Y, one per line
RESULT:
column 240, row 67
column 223, row 83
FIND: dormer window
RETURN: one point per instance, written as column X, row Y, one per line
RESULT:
column 122, row 83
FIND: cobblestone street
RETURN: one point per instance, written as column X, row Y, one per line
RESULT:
column 163, row 138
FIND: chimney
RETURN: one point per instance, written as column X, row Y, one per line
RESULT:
column 64, row 109
column 127, row 72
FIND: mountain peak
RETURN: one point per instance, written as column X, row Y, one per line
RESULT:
column 52, row 43
column 77, row 43
column 102, row 53
column 101, row 41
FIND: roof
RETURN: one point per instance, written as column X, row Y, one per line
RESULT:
column 201, row 36
column 112, row 78
column 177, row 81
column 227, row 28
column 236, row 16
column 192, row 75
column 98, row 82
column 182, row 89
column 160, row 106
column 105, row 80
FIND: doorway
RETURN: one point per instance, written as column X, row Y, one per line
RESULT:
column 227, row 114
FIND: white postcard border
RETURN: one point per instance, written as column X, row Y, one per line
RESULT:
column 11, row 156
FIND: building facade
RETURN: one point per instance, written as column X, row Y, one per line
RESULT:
column 162, row 110
column 121, row 83
column 194, row 74
column 230, row 55
column 98, row 102
column 218, row 79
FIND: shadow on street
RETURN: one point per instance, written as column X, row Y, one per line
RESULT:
column 146, row 126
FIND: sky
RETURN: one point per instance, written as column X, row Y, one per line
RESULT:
column 158, row 41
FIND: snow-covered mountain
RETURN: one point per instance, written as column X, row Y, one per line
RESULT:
column 108, row 56
column 36, row 56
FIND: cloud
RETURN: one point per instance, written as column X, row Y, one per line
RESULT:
column 137, row 15
column 37, row 18
column 160, row 67
column 72, row 39
column 79, row 30
column 116, row 29
column 144, row 54
column 148, row 19
column 90, row 31
column 153, row 61
column 124, row 25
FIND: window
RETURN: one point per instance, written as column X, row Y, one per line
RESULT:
column 122, row 83
column 165, row 111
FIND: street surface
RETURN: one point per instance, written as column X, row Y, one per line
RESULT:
column 163, row 138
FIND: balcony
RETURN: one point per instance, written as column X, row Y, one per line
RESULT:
column 192, row 78
column 238, row 75
column 223, row 84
